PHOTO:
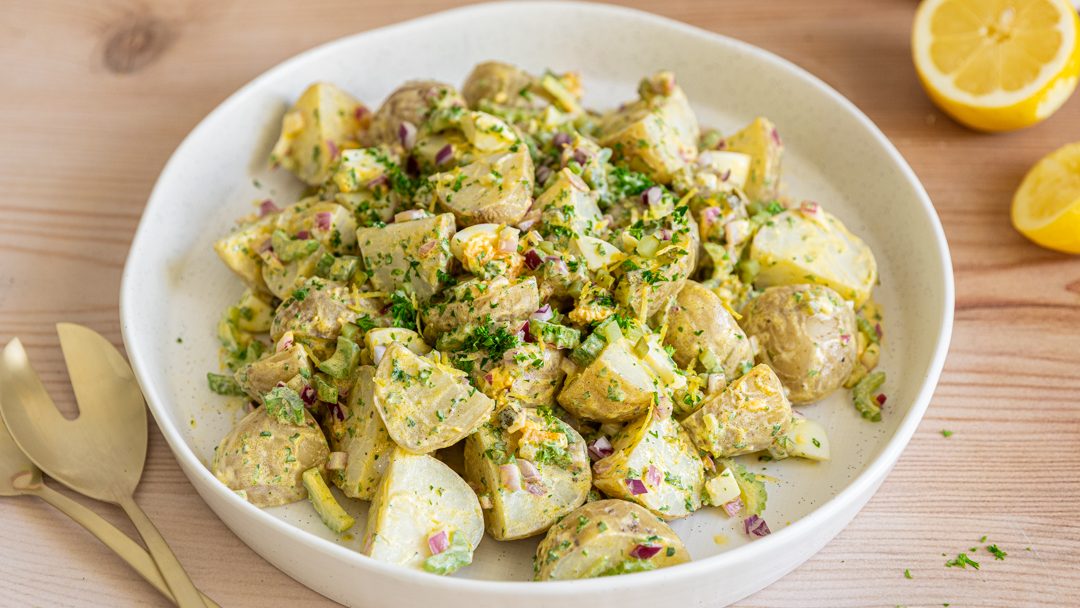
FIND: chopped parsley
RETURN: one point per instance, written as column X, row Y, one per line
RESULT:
column 402, row 310
column 962, row 561
column 494, row 341
column 907, row 574
column 996, row 552
column 946, row 433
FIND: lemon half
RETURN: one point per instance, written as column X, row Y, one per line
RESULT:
column 1046, row 208
column 997, row 65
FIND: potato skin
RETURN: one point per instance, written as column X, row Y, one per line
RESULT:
column 411, row 102
column 258, row 377
column 807, row 335
column 600, row 536
column 494, row 189
column 699, row 322
column 502, row 84
column 326, row 306
column 616, row 387
column 744, row 418
column 265, row 458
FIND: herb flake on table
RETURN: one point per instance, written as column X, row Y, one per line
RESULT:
column 962, row 561
column 996, row 552
column 907, row 574
column 946, row 433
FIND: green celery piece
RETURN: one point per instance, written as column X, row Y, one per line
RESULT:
column 863, row 396
column 324, row 502
column 458, row 555
column 344, row 268
column 284, row 404
column 326, row 391
column 288, row 249
column 588, row 350
column 344, row 360
column 553, row 333
column 223, row 385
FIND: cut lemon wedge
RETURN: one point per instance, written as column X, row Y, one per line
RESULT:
column 1046, row 208
column 997, row 65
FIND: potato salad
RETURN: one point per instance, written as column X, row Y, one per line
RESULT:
column 495, row 310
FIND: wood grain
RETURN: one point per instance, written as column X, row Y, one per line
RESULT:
column 97, row 95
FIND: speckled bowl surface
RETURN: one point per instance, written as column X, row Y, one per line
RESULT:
column 174, row 287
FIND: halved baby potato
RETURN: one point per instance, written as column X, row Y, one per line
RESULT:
column 745, row 417
column 704, row 334
column 808, row 245
column 492, row 189
column 425, row 405
column 615, row 387
column 358, row 430
column 526, row 499
column 324, row 121
column 420, row 498
column 605, row 538
column 258, row 377
column 761, row 142
column 655, row 465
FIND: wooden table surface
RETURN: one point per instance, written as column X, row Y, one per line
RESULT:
column 96, row 95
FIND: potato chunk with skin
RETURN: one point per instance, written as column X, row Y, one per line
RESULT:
column 616, row 387
column 568, row 203
column 258, row 377
column 701, row 330
column 761, row 141
column 493, row 189
column 411, row 103
column 240, row 251
column 357, row 429
column 559, row 484
column 656, row 455
column 530, row 374
column 502, row 84
column 745, row 417
column 808, row 245
column 499, row 301
column 426, row 406
column 607, row 537
column 324, row 121
column 323, row 309
column 419, row 497
column 265, row 458
column 656, row 135
column 413, row 253
column 807, row 335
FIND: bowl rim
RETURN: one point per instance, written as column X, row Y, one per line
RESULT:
column 863, row 484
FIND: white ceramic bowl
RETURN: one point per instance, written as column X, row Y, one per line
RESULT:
column 175, row 287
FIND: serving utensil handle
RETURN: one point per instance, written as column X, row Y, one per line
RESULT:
column 112, row 537
column 184, row 591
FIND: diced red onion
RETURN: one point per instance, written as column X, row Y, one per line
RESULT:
column 720, row 145
column 533, row 259
column 382, row 180
column 560, row 140
column 601, row 448
column 636, row 486
column 526, row 333
column 529, row 472
column 337, row 461
column 377, row 353
column 525, row 225
column 581, row 156
column 323, row 220
column 508, row 240
column 510, row 476
column 336, row 410
column 407, row 134
column 711, row 215
column 489, row 377
column 651, row 196
column 542, row 173
column 775, row 136
column 734, row 507
column 444, row 154
column 285, row 342
column 543, row 313
column 644, row 551
column 653, row 476
column 303, row 235
column 360, row 112
column 664, row 234
column 410, row 215
column 726, row 175
column 332, row 148
column 535, row 488
column 881, row 398
column 426, row 248
column 845, row 338
column 267, row 207
column 755, row 526
column 438, row 542
column 877, row 330
column 308, row 395
column 810, row 208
